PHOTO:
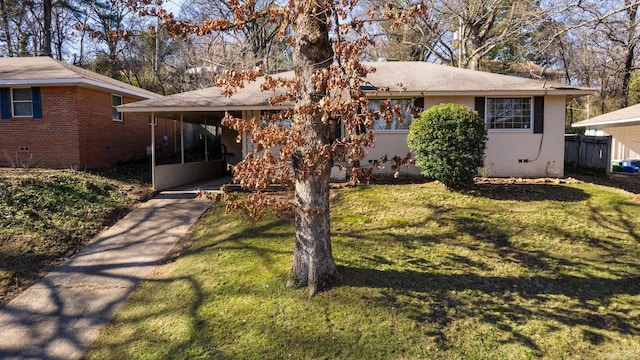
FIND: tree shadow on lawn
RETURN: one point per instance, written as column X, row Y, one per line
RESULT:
column 627, row 182
column 621, row 222
column 429, row 295
column 245, row 240
column 439, row 299
column 485, row 231
column 486, row 235
column 527, row 192
column 579, row 288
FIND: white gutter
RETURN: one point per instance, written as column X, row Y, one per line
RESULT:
column 78, row 81
column 621, row 122
column 189, row 109
column 537, row 92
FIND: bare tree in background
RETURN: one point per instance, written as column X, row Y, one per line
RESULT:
column 37, row 27
column 597, row 44
column 463, row 32
column 152, row 61
column 6, row 7
column 623, row 34
column 253, row 43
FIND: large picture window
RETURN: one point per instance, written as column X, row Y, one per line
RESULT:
column 509, row 113
column 22, row 102
column 116, row 100
column 406, row 106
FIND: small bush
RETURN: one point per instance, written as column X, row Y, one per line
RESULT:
column 449, row 141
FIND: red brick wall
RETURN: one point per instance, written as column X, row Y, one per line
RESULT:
column 77, row 131
column 52, row 140
column 107, row 141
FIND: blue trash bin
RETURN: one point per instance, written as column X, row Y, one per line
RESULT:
column 630, row 166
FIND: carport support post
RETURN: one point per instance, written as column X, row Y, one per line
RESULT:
column 153, row 150
column 182, row 137
column 608, row 155
column 206, row 136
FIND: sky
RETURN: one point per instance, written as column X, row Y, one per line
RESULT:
column 173, row 6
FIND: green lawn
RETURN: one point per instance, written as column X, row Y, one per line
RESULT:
column 501, row 272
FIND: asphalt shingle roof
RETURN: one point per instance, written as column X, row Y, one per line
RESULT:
column 416, row 78
column 626, row 116
column 45, row 71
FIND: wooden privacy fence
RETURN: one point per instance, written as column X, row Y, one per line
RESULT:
column 587, row 153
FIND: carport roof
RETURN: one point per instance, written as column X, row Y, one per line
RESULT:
column 402, row 78
column 624, row 117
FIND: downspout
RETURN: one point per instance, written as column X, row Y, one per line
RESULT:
column 546, row 92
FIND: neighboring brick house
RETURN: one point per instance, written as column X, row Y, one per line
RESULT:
column 58, row 115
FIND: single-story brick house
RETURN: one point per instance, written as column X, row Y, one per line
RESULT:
column 624, row 128
column 525, row 117
column 53, row 114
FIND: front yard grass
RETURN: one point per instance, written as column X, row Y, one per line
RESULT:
column 47, row 215
column 516, row 271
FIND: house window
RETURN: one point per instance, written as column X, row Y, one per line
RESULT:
column 22, row 102
column 509, row 113
column 405, row 106
column 116, row 100
column 277, row 117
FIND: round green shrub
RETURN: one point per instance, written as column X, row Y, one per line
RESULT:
column 449, row 142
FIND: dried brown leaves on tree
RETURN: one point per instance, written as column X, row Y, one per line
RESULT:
column 320, row 118
column 339, row 95
column 297, row 143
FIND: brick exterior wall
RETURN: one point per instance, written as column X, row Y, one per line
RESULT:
column 77, row 130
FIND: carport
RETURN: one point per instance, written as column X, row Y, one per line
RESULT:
column 206, row 108
column 623, row 126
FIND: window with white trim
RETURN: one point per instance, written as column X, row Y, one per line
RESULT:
column 22, row 102
column 406, row 107
column 116, row 100
column 509, row 113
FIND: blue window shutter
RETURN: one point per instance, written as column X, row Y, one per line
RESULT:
column 5, row 103
column 538, row 115
column 36, row 101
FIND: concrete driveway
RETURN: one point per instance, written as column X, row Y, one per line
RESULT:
column 61, row 315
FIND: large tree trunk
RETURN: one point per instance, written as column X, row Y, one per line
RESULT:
column 473, row 62
column 313, row 264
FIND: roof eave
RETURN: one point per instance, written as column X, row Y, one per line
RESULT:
column 178, row 109
column 78, row 82
column 540, row 92
column 608, row 123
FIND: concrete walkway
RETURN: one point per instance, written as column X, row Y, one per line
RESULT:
column 61, row 315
